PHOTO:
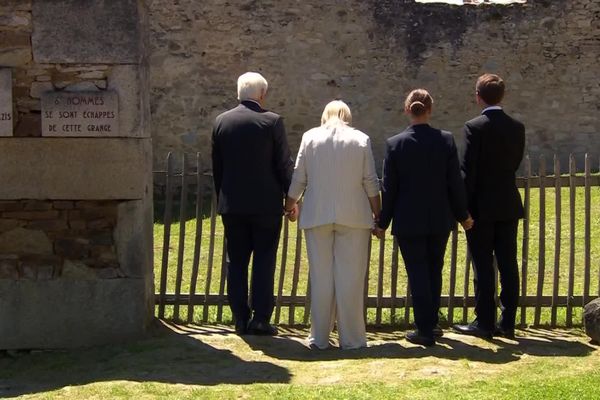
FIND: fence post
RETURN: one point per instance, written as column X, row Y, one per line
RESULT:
column 211, row 253
column 557, row 231
column 181, row 247
column 453, row 258
column 572, row 199
column 166, row 236
column 198, row 241
column 525, row 246
column 542, row 242
column 587, row 232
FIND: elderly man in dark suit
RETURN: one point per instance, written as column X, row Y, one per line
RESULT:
column 495, row 145
column 252, row 170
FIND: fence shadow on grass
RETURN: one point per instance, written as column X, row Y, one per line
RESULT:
column 165, row 356
column 451, row 347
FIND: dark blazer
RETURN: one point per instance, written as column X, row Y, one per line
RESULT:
column 422, row 187
column 251, row 160
column 495, row 144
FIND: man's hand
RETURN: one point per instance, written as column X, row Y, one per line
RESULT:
column 467, row 223
column 378, row 232
column 292, row 215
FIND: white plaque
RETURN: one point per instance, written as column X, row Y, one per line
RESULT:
column 6, row 104
column 80, row 114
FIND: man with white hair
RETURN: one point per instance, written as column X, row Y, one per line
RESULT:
column 252, row 170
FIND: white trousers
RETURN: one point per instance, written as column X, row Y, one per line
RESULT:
column 337, row 260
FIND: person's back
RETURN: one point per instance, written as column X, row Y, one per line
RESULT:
column 426, row 203
column 252, row 170
column 423, row 194
column 335, row 157
column 255, row 160
column 495, row 151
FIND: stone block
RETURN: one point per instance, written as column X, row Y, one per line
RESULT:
column 74, row 168
column 108, row 31
column 9, row 224
column 25, row 241
column 77, row 270
column 39, row 88
column 15, row 49
column 29, row 125
column 71, row 248
column 66, row 313
column 63, row 205
column 8, row 269
column 51, row 225
column 591, row 320
column 36, row 205
column 32, row 215
column 127, row 81
column 10, row 206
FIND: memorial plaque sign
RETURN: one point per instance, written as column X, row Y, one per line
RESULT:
column 6, row 104
column 80, row 114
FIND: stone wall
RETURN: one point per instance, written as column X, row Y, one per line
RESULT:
column 371, row 53
column 43, row 240
column 76, row 258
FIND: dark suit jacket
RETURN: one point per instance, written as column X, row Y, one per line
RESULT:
column 495, row 145
column 422, row 187
column 252, row 165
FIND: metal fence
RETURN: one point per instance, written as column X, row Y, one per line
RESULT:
column 561, row 281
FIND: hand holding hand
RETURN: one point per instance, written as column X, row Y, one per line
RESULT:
column 292, row 215
column 378, row 232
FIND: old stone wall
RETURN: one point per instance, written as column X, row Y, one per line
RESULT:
column 371, row 54
column 44, row 240
column 76, row 260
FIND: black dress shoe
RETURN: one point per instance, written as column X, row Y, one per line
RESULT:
column 505, row 333
column 474, row 330
column 241, row 327
column 417, row 338
column 438, row 332
column 261, row 328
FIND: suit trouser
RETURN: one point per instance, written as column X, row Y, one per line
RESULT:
column 424, row 259
column 337, row 259
column 485, row 239
column 256, row 235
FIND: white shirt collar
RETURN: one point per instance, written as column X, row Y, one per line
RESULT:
column 491, row 108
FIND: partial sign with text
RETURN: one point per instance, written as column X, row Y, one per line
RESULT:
column 80, row 114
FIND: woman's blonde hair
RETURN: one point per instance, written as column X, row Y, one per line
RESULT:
column 418, row 102
column 336, row 110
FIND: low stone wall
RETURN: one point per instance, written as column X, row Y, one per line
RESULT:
column 43, row 240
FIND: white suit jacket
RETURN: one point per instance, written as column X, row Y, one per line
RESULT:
column 336, row 172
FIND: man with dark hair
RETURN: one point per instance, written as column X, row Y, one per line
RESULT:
column 495, row 145
column 252, row 171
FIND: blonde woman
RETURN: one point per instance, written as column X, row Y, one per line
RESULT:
column 336, row 173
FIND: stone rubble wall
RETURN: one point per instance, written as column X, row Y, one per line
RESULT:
column 43, row 240
column 371, row 54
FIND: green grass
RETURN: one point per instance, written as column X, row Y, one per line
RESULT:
column 533, row 261
column 208, row 362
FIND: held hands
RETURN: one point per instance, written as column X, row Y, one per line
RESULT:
column 377, row 231
column 467, row 223
column 292, row 215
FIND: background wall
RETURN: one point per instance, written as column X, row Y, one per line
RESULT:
column 371, row 53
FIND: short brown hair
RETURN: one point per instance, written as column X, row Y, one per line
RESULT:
column 418, row 102
column 490, row 88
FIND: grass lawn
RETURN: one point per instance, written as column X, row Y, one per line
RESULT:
column 209, row 362
column 549, row 227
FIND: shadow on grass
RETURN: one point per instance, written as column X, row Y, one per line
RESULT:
column 165, row 356
column 452, row 347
